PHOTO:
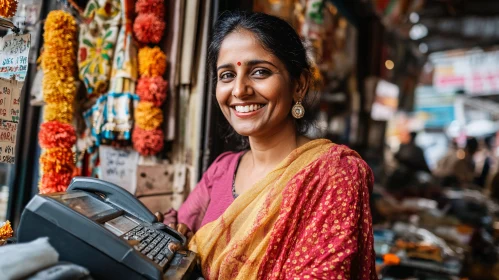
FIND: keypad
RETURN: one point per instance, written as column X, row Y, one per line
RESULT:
column 153, row 244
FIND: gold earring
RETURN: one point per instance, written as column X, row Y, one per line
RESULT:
column 298, row 111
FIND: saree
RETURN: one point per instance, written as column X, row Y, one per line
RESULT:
column 309, row 218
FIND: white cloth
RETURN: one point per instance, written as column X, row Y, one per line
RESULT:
column 21, row 260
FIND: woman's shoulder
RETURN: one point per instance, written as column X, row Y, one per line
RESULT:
column 223, row 163
column 342, row 159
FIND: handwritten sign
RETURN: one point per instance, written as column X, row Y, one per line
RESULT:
column 14, row 51
column 8, row 132
column 119, row 167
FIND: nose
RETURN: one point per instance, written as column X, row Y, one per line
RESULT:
column 241, row 87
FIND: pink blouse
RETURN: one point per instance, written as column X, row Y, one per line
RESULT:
column 211, row 196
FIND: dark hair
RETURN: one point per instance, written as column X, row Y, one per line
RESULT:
column 277, row 37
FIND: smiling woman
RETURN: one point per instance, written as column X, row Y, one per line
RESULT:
column 287, row 206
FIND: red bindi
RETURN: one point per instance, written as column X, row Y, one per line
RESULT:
column 238, row 63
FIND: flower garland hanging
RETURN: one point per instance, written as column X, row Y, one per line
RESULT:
column 57, row 136
column 147, row 136
column 8, row 8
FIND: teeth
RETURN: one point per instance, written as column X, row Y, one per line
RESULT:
column 248, row 108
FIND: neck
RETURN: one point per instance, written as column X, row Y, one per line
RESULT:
column 270, row 149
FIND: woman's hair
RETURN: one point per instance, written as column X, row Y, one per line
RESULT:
column 277, row 37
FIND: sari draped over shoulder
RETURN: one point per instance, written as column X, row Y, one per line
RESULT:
column 307, row 219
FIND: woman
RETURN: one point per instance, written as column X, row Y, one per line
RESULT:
column 287, row 206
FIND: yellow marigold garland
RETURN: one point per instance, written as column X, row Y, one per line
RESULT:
column 8, row 8
column 152, row 62
column 58, row 87
column 58, row 62
column 147, row 116
column 61, row 112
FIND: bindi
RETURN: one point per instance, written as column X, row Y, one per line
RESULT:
column 239, row 63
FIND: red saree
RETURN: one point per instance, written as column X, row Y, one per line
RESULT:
column 308, row 219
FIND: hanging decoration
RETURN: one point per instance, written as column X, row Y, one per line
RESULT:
column 57, row 136
column 8, row 8
column 148, row 137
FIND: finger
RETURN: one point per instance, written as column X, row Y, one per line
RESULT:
column 172, row 225
column 183, row 229
column 190, row 234
column 173, row 247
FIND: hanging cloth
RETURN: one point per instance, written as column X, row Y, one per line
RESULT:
column 98, row 38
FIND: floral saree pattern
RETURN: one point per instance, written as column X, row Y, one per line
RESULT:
column 307, row 219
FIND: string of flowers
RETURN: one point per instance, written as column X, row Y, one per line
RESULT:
column 57, row 136
column 8, row 8
column 147, row 136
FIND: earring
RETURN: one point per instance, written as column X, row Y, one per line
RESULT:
column 298, row 111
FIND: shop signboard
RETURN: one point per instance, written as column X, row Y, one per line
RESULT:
column 436, row 106
column 14, row 51
column 385, row 101
column 474, row 72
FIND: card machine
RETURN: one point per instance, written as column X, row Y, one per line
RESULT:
column 104, row 228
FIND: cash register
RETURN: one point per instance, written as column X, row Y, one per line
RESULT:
column 104, row 228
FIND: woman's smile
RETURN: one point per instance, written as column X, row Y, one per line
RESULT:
column 247, row 110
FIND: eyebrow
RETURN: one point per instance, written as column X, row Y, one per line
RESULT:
column 249, row 63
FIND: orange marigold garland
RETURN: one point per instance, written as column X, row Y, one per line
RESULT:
column 55, row 181
column 57, row 160
column 152, row 89
column 8, row 8
column 147, row 136
column 148, row 142
column 56, row 135
column 152, row 62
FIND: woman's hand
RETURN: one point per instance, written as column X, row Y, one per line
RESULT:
column 183, row 229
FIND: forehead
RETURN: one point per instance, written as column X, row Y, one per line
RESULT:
column 243, row 45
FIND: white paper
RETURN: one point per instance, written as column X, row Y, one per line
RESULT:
column 119, row 167
column 14, row 51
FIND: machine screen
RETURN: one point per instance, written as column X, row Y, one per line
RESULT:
column 121, row 225
column 86, row 205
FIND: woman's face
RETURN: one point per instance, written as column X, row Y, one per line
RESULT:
column 254, row 89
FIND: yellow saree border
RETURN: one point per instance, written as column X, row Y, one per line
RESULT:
column 233, row 246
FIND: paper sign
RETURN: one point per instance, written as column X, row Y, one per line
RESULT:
column 119, row 167
column 8, row 131
column 14, row 51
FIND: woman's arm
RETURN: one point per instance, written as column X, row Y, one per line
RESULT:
column 192, row 211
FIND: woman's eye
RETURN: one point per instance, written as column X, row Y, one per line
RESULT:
column 261, row 73
column 226, row 76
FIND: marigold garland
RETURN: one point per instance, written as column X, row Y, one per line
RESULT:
column 156, row 7
column 147, row 116
column 148, row 28
column 61, row 111
column 148, row 142
column 8, row 8
column 55, row 134
column 58, row 87
column 152, row 62
column 6, row 231
column 152, row 89
column 57, row 160
column 55, row 182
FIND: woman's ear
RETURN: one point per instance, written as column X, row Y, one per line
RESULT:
column 301, row 87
